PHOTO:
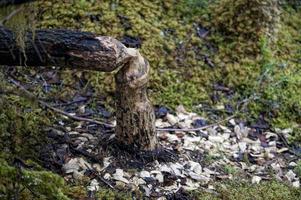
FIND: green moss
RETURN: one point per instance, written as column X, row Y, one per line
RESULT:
column 298, row 168
column 271, row 190
column 29, row 184
column 254, row 67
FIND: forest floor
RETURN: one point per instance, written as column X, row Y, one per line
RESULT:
column 228, row 121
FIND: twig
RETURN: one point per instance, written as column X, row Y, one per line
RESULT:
column 197, row 129
column 58, row 110
column 77, row 118
column 104, row 181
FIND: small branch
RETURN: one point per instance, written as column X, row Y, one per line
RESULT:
column 197, row 129
column 29, row 94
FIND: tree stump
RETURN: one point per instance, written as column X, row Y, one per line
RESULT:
column 134, row 113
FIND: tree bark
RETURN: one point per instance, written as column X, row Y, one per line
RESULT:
column 62, row 48
column 79, row 50
column 13, row 2
column 135, row 114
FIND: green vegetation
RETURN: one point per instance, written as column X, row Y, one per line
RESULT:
column 256, row 55
column 298, row 169
column 271, row 190
column 17, row 183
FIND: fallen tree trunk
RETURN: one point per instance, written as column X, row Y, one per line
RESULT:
column 13, row 2
column 79, row 50
column 62, row 48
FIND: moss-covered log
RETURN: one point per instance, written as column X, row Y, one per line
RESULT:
column 62, row 48
column 13, row 2
column 81, row 50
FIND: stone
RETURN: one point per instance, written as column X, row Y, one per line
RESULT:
column 290, row 175
column 144, row 174
column 71, row 166
column 159, row 177
column 256, row 179
column 242, row 146
column 94, row 185
column 296, row 184
column 171, row 119
column 215, row 139
column 201, row 178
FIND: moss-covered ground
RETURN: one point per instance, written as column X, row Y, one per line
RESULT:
column 189, row 65
column 195, row 62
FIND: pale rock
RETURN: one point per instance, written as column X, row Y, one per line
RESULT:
column 144, row 174
column 244, row 131
column 290, row 175
column 296, row 184
column 181, row 109
column 147, row 190
column 237, row 132
column 138, row 181
column 83, row 139
column 165, row 168
column 182, row 117
column 292, row 164
column 112, row 137
column 211, row 131
column 215, row 139
column 159, row 177
column 225, row 129
column 78, row 175
column 232, row 122
column 276, row 167
column 106, row 162
column 256, row 179
column 94, row 186
column 71, row 166
column 119, row 172
column 211, row 187
column 107, row 176
column 198, row 177
column 73, row 133
column 175, row 186
column 287, row 131
column 176, row 168
column 226, row 136
column 196, row 167
column 185, row 124
column 97, row 167
column 120, row 178
column 284, row 149
column 191, row 185
column 172, row 137
column 210, row 172
column 171, row 119
column 249, row 141
column 272, row 143
column 270, row 134
column 242, row 146
column 220, row 107
column 159, row 123
column 84, row 164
